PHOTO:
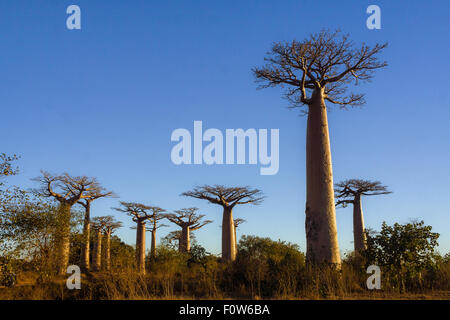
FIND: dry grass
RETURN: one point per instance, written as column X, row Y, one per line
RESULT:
column 131, row 286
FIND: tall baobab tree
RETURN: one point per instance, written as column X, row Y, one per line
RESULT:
column 140, row 214
column 350, row 192
column 97, row 226
column 313, row 71
column 67, row 190
column 228, row 198
column 107, row 225
column 157, row 214
column 237, row 222
column 94, row 194
column 189, row 221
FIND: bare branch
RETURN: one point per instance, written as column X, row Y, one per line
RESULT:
column 138, row 211
column 347, row 190
column 226, row 196
column 66, row 188
column 326, row 60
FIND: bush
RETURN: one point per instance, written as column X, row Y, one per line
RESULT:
column 405, row 253
column 267, row 267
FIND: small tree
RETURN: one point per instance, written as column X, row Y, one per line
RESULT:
column 189, row 221
column 6, row 165
column 67, row 190
column 28, row 226
column 350, row 192
column 228, row 198
column 403, row 251
column 140, row 214
column 268, row 267
column 7, row 169
column 316, row 70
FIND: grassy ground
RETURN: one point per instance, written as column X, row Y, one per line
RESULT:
column 98, row 286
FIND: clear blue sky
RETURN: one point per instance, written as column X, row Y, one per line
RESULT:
column 104, row 101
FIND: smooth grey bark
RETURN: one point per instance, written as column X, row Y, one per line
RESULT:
column 185, row 239
column 97, row 254
column 358, row 225
column 320, row 222
column 228, row 235
column 153, row 244
column 235, row 239
column 140, row 246
column 237, row 222
column 108, row 250
column 85, row 247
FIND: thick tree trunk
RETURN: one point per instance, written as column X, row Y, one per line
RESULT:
column 235, row 238
column 320, row 223
column 153, row 244
column 97, row 257
column 62, row 238
column 140, row 247
column 228, row 235
column 185, row 241
column 108, row 250
column 85, row 247
column 358, row 225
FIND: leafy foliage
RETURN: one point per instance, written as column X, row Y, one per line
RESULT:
column 268, row 267
column 404, row 251
column 6, row 165
column 409, row 245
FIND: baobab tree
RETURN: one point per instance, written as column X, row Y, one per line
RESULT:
column 237, row 222
column 189, row 221
column 176, row 236
column 157, row 214
column 313, row 71
column 228, row 198
column 107, row 225
column 350, row 192
column 140, row 214
column 97, row 226
column 94, row 194
column 67, row 190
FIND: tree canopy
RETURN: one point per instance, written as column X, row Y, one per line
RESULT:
column 226, row 196
column 326, row 60
column 347, row 190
